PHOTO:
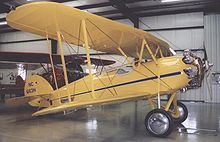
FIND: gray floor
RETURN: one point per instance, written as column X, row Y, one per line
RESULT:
column 116, row 123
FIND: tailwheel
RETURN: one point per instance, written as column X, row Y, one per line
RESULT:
column 181, row 114
column 159, row 123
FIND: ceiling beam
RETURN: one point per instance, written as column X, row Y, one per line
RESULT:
column 203, row 3
column 104, row 4
column 2, row 1
column 90, row 6
column 121, row 6
column 161, row 6
column 4, row 8
column 144, row 11
column 214, row 7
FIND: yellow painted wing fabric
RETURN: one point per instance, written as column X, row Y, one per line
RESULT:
column 46, row 18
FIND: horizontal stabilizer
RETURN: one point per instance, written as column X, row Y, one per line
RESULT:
column 24, row 99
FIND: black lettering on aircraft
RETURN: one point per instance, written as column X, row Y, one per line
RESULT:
column 31, row 84
column 31, row 90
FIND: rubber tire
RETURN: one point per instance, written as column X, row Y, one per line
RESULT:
column 182, row 119
column 170, row 119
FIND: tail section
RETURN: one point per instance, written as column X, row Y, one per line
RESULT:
column 37, row 92
column 39, row 88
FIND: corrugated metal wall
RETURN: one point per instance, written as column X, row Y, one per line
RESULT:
column 212, row 43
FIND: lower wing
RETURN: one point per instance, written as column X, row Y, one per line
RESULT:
column 73, row 105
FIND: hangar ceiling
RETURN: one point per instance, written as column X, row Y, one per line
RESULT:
column 121, row 9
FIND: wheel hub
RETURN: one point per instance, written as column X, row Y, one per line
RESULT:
column 158, row 123
column 179, row 113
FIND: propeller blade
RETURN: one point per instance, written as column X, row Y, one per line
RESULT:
column 205, row 53
column 208, row 82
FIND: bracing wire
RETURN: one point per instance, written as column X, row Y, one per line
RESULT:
column 160, row 35
column 69, row 46
column 119, row 45
column 103, row 66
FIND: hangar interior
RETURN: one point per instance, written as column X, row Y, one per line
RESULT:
column 184, row 24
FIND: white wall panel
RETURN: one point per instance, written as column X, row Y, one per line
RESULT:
column 173, row 21
column 33, row 47
column 16, row 36
column 183, row 39
column 212, row 43
column 167, row 21
column 37, row 46
column 189, row 19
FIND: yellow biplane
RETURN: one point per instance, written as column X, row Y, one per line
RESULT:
column 151, row 70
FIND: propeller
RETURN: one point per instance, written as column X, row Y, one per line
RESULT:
column 208, row 66
column 208, row 82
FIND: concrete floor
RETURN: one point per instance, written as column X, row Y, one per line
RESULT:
column 116, row 123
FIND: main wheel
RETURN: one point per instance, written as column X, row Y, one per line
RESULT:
column 159, row 123
column 182, row 113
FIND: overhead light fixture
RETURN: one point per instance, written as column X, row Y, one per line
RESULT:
column 3, row 23
column 170, row 0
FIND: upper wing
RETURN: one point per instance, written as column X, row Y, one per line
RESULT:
column 45, row 58
column 46, row 18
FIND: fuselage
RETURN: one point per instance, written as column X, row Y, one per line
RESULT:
column 138, row 81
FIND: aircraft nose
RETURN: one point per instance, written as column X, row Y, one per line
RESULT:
column 196, row 71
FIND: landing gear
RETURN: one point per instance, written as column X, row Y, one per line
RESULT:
column 159, row 123
column 181, row 113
